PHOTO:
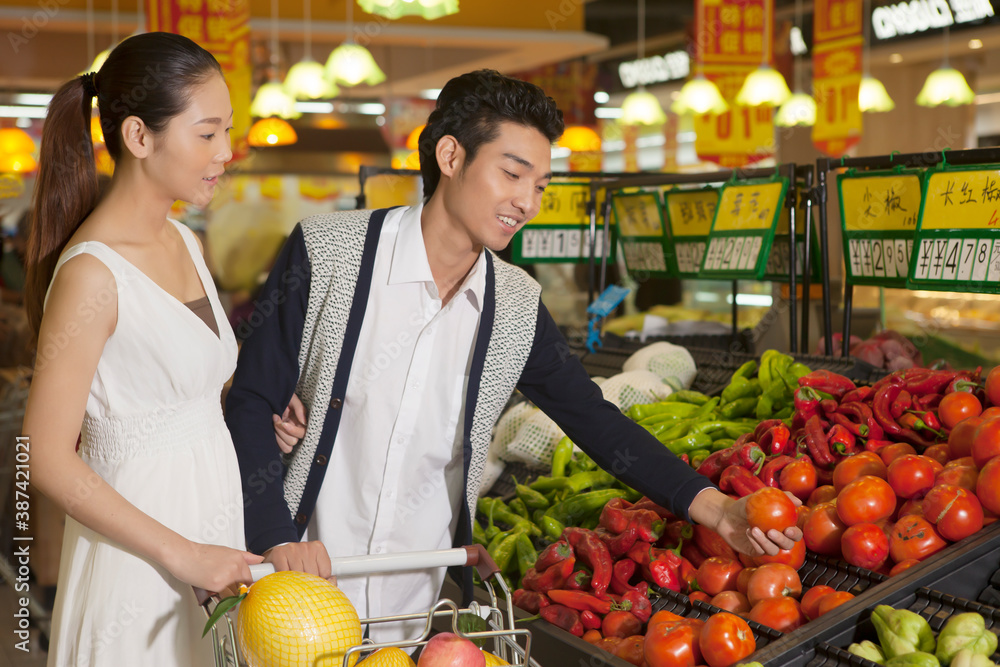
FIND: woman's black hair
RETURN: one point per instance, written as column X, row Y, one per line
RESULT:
column 471, row 107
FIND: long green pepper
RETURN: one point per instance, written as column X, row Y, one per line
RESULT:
column 561, row 455
column 568, row 512
column 526, row 554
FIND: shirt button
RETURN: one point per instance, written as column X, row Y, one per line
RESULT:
column 300, row 518
column 400, row 440
column 321, row 460
column 378, row 550
column 336, row 403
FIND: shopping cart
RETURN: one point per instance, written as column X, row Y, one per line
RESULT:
column 508, row 643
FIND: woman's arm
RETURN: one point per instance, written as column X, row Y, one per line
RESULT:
column 73, row 333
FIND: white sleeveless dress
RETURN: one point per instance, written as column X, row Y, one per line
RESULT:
column 154, row 431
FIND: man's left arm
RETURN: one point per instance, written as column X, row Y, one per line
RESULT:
column 555, row 381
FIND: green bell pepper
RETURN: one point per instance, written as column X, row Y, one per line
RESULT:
column 965, row 631
column 915, row 659
column 868, row 650
column 901, row 631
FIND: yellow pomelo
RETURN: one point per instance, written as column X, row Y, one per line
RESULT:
column 292, row 618
column 492, row 660
column 387, row 657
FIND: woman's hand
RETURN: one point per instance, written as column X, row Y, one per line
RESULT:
column 290, row 427
column 728, row 518
column 216, row 569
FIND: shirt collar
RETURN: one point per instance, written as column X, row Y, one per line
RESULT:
column 410, row 265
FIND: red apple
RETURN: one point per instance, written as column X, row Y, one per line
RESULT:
column 449, row 650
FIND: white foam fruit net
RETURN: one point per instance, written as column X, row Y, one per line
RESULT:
column 636, row 387
column 535, row 441
column 665, row 360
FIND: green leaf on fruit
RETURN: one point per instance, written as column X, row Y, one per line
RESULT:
column 468, row 623
column 224, row 605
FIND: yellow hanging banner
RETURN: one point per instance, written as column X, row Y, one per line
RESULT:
column 837, row 75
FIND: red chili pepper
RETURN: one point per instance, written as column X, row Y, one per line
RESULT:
column 740, row 481
column 580, row 601
column 860, row 430
column 613, row 518
column 648, row 524
column 592, row 551
column 832, row 383
column 530, row 601
column 691, row 553
column 828, row 406
column 917, row 422
column 618, row 545
column 621, row 573
column 712, row 544
column 933, row 383
column 688, row 573
column 874, row 445
column 716, row 462
column 641, row 607
column 884, row 397
column 806, row 402
column 902, row 403
column 558, row 551
column 927, row 402
column 819, row 448
column 902, row 377
column 931, row 420
column 749, row 456
column 554, row 576
column 664, row 573
column 647, row 504
column 676, row 532
column 763, row 428
column 563, row 617
column 590, row 620
column 640, row 553
column 772, row 469
column 842, row 440
column 781, row 440
column 863, row 415
column 859, row 394
column 579, row 581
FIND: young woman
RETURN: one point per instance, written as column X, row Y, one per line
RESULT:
column 133, row 350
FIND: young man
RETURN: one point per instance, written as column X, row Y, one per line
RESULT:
column 405, row 337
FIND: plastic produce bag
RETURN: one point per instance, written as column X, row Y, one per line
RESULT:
column 535, row 441
column 666, row 360
column 636, row 387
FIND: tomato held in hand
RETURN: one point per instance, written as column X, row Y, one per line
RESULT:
column 988, row 486
column 811, row 598
column 957, row 406
column 799, row 478
column 782, row 614
column 954, row 511
column 865, row 545
column 725, row 640
column 770, row 509
column 773, row 580
column 914, row 537
column 823, row 530
column 960, row 438
column 718, row 574
column 986, row 442
column 867, row 499
column 859, row 465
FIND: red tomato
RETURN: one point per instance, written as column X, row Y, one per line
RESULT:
column 773, row 580
column 911, row 476
column 822, row 494
column 664, row 617
column 914, row 537
column 960, row 438
column 957, row 406
column 802, row 512
column 609, row 644
column 770, row 508
column 986, row 442
column 832, row 601
column 631, row 649
column 954, row 511
column 592, row 636
column 811, row 598
column 963, row 461
column 891, row 452
column 718, row 574
column 866, row 500
column 911, row 506
column 865, row 545
column 699, row 595
column 782, row 614
column 620, row 624
column 939, row 453
column 991, row 412
column 744, row 579
column 988, row 486
column 963, row 476
column 859, row 465
column 673, row 645
column 793, row 557
column 823, row 530
column 733, row 601
column 993, row 386
column 902, row 566
column 726, row 639
column 798, row 478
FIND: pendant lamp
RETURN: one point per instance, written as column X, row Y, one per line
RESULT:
column 271, row 98
column 872, row 95
column 306, row 80
column 271, row 132
column 764, row 85
column 351, row 64
column 394, row 9
column 800, row 108
column 642, row 107
column 699, row 95
column 14, row 140
column 945, row 85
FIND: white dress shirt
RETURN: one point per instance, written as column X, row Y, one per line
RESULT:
column 394, row 481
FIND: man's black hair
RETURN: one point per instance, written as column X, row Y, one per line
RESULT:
column 471, row 108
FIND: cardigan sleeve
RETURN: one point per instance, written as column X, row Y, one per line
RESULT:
column 555, row 381
column 266, row 376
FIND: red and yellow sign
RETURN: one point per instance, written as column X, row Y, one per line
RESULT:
column 740, row 136
column 837, row 75
column 223, row 28
column 732, row 31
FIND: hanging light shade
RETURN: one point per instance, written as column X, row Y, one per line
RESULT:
column 642, row 108
column 17, row 163
column 945, row 85
column 872, row 96
column 96, row 131
column 580, row 139
column 14, row 140
column 413, row 139
column 306, row 80
column 799, row 109
column 699, row 95
column 393, row 9
column 764, row 85
column 272, row 100
column 271, row 132
column 350, row 64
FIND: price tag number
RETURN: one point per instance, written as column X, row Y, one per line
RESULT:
column 558, row 243
column 779, row 261
column 879, row 258
column 644, row 256
column 733, row 253
column 689, row 256
column 958, row 259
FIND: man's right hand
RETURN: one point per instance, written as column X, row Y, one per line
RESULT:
column 310, row 557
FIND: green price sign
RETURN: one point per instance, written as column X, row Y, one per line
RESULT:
column 560, row 233
column 743, row 229
column 689, row 222
column 878, row 216
column 639, row 218
column 957, row 244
